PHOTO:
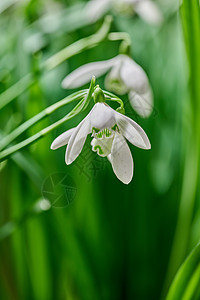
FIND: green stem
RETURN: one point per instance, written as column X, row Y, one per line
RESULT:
column 86, row 43
column 118, row 36
column 125, row 45
column 46, row 112
column 6, row 153
column 82, row 105
column 15, row 90
column 79, row 46
column 112, row 97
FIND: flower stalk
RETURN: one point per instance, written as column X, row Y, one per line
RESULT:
column 43, row 114
column 86, row 43
column 79, row 46
column 85, row 96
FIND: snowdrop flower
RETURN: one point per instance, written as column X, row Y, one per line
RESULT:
column 125, row 76
column 109, row 130
column 95, row 9
column 146, row 9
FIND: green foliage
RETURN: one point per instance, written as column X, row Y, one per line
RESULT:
column 186, row 283
column 100, row 239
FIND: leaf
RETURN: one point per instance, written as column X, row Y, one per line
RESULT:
column 187, row 278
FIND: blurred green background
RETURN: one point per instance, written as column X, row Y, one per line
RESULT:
column 102, row 239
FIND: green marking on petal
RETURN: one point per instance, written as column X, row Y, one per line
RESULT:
column 115, row 128
column 95, row 130
column 105, row 132
column 99, row 150
column 103, row 144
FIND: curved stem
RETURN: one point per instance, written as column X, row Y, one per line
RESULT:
column 6, row 153
column 82, row 105
column 79, row 46
column 118, row 36
column 86, row 43
column 46, row 112
column 112, row 97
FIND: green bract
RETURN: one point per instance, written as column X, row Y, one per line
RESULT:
column 99, row 95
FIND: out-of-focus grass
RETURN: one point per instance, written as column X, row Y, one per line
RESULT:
column 113, row 241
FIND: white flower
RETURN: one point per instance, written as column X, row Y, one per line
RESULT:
column 146, row 9
column 125, row 76
column 109, row 130
column 95, row 9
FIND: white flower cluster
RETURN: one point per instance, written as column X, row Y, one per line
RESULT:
column 109, row 128
column 147, row 10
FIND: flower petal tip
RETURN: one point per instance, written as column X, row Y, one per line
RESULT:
column 148, row 145
column 67, row 161
column 64, row 84
column 127, row 181
column 52, row 147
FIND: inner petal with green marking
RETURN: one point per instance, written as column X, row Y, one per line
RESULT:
column 103, row 139
column 102, row 145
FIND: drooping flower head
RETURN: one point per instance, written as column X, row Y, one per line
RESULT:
column 147, row 10
column 124, row 76
column 110, row 130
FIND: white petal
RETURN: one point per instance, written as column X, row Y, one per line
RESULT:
column 95, row 9
column 121, row 159
column 142, row 103
column 132, row 131
column 77, row 140
column 149, row 12
column 130, row 1
column 102, row 145
column 62, row 139
column 84, row 74
column 113, row 81
column 102, row 116
column 109, row 157
column 134, row 76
